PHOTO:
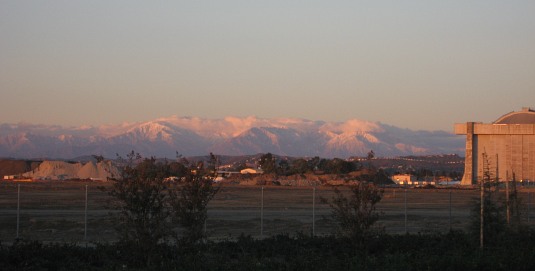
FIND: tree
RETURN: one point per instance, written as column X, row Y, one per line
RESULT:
column 141, row 199
column 300, row 166
column 268, row 163
column 178, row 169
column 98, row 158
column 212, row 166
column 487, row 221
column 513, row 203
column 146, row 202
column 339, row 166
column 376, row 176
column 370, row 155
column 314, row 163
column 189, row 203
column 356, row 214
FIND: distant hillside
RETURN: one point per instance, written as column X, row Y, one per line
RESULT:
column 91, row 169
column 435, row 163
column 187, row 136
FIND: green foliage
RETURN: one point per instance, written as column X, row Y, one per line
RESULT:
column 493, row 217
column 271, row 165
column 268, row 163
column 488, row 222
column 514, row 204
column 141, row 199
column 370, row 155
column 149, row 205
column 189, row 203
column 339, row 166
column 300, row 166
column 212, row 166
column 98, row 158
column 451, row 251
column 375, row 176
column 356, row 214
column 177, row 169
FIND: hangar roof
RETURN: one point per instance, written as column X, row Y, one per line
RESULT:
column 526, row 116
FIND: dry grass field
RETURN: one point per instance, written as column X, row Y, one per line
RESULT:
column 55, row 211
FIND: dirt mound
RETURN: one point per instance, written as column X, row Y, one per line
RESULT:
column 60, row 170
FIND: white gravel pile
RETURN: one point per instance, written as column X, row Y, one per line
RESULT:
column 60, row 170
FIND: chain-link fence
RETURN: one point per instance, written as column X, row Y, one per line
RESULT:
column 78, row 212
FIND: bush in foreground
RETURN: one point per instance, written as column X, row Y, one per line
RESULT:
column 451, row 251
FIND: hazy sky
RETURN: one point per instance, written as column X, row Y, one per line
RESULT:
column 413, row 64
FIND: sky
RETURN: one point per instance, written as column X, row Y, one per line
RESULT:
column 421, row 65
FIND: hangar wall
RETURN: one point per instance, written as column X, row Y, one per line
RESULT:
column 509, row 147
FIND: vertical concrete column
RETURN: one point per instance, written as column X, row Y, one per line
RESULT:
column 468, row 176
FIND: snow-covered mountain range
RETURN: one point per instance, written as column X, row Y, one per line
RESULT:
column 189, row 136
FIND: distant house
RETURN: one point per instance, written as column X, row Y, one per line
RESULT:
column 404, row 179
column 251, row 171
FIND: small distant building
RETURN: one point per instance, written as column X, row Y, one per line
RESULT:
column 9, row 177
column 404, row 179
column 251, row 171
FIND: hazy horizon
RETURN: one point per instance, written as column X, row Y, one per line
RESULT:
column 421, row 65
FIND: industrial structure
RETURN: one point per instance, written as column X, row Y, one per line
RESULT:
column 505, row 147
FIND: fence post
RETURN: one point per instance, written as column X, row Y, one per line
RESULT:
column 405, row 195
column 529, row 203
column 529, row 200
column 18, row 209
column 262, row 214
column 313, row 211
column 450, row 209
column 85, row 215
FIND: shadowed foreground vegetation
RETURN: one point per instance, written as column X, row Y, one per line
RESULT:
column 451, row 251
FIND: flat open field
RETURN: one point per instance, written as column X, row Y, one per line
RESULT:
column 55, row 211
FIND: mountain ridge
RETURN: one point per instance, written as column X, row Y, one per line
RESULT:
column 190, row 136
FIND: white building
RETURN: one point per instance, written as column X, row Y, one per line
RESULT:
column 251, row 171
column 404, row 179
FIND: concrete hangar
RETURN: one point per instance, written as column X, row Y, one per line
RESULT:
column 509, row 145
